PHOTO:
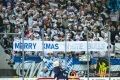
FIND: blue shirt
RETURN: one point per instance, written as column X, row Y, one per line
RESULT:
column 60, row 74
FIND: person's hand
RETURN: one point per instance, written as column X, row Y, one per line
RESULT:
column 60, row 24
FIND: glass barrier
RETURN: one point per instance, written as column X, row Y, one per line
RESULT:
column 76, row 59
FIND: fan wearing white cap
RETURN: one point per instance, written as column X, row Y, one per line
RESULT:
column 70, row 27
column 32, row 37
column 117, row 39
column 20, row 18
column 37, row 37
column 100, row 23
column 36, row 27
column 7, row 25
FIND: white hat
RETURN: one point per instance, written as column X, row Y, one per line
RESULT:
column 75, row 26
column 8, row 6
column 102, row 32
column 56, row 63
column 45, row 67
column 88, row 15
column 69, row 24
column 20, row 15
column 88, row 24
column 16, row 7
column 45, row 17
column 43, row 6
column 116, row 36
column 85, row 28
column 55, row 25
column 47, row 12
column 13, row 15
column 6, row 21
column 35, row 22
column 25, row 22
column 58, row 16
column 94, row 37
column 18, row 22
column 82, row 20
column 100, row 18
column 64, row 16
column 80, row 27
column 30, row 27
column 48, row 29
column 36, row 35
column 69, row 1
column 77, row 37
column 61, row 33
column 106, row 38
column 46, row 37
column 55, row 37
column 91, row 20
column 91, row 2
column 3, row 8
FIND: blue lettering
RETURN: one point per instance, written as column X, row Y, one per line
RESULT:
column 56, row 46
column 17, row 45
column 48, row 46
column 34, row 45
column 51, row 46
column 30, row 45
column 26, row 45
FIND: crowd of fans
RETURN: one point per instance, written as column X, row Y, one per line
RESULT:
column 57, row 17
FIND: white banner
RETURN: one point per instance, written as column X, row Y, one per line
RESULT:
column 60, row 46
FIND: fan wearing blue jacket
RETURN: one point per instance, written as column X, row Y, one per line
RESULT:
column 60, row 74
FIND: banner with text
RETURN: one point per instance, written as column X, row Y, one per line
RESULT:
column 60, row 46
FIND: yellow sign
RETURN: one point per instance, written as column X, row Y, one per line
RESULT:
column 102, row 69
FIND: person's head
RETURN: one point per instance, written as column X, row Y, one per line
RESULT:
column 16, row 30
column 95, row 29
column 118, row 28
column 78, row 32
column 48, row 31
column 112, row 27
column 61, row 34
column 20, row 16
column 106, row 28
column 90, row 35
column 37, row 36
column 92, row 66
column 36, row 1
column 45, row 69
column 47, row 38
column 32, row 37
column 75, row 28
